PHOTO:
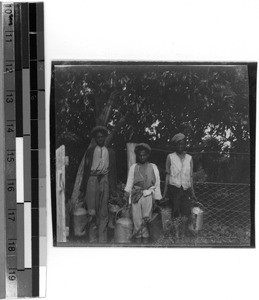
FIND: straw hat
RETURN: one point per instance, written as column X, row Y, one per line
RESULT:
column 142, row 146
column 178, row 137
column 99, row 128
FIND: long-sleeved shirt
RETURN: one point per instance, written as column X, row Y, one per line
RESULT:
column 112, row 173
column 100, row 159
column 156, row 191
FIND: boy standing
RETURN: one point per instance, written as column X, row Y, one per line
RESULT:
column 179, row 178
column 99, row 180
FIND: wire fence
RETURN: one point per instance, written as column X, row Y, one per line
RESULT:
column 226, row 217
column 228, row 204
column 221, row 185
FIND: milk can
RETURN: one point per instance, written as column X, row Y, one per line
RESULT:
column 80, row 220
column 166, row 214
column 93, row 233
column 123, row 229
column 113, row 209
column 155, row 227
column 196, row 219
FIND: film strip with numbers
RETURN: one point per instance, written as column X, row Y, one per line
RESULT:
column 23, row 159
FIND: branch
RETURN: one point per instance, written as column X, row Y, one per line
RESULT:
column 116, row 129
column 106, row 112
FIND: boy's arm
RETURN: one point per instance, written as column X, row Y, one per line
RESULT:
column 191, row 175
column 157, row 191
column 83, row 182
column 113, row 173
column 167, row 169
column 130, row 180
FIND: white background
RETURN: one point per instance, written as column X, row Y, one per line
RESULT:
column 150, row 30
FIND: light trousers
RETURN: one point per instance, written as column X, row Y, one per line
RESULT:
column 141, row 210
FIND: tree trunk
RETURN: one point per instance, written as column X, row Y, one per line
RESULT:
column 131, row 156
column 116, row 129
column 101, row 119
column 60, row 194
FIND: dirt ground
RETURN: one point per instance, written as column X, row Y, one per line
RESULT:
column 209, row 236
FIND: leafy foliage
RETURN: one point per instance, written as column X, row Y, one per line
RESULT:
column 152, row 103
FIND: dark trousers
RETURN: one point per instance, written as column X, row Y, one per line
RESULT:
column 97, row 196
column 180, row 201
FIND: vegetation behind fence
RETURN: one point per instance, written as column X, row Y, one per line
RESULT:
column 227, row 213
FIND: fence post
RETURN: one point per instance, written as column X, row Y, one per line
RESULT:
column 131, row 156
column 61, row 162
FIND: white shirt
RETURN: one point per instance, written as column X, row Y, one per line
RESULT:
column 180, row 170
column 100, row 159
column 156, row 191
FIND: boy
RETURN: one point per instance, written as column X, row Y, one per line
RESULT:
column 99, row 180
column 179, row 179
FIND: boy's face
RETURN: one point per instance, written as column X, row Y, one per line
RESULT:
column 100, row 139
column 180, row 146
column 142, row 156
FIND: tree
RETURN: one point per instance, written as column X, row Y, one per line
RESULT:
column 151, row 104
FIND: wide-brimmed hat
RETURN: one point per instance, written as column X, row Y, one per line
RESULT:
column 99, row 128
column 142, row 146
column 178, row 137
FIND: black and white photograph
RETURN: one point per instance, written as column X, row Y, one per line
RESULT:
column 152, row 154
column 128, row 153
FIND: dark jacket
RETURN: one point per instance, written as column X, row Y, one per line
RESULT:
column 112, row 175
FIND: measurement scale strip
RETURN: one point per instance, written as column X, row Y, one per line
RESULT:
column 18, row 69
column 42, row 148
column 25, row 274
column 26, row 133
column 10, row 163
column 22, row 284
column 24, row 151
column 19, row 148
column 2, row 167
column 34, row 148
column 26, row 100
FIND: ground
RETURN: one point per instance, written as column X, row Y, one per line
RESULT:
column 211, row 235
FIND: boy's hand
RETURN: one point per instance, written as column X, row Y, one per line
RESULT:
column 156, row 206
column 114, row 194
column 126, row 197
column 146, row 219
column 81, row 195
column 164, row 194
column 193, row 195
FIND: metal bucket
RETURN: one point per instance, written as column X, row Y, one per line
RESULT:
column 93, row 233
column 113, row 209
column 123, row 227
column 196, row 223
column 123, row 231
column 166, row 215
column 155, row 227
column 80, row 220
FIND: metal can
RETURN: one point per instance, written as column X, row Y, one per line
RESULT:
column 123, row 231
column 80, row 220
column 196, row 219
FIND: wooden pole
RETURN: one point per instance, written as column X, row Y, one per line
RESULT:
column 131, row 156
column 60, row 194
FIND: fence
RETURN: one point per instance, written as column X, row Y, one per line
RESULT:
column 227, row 213
column 227, row 217
column 226, row 198
column 228, row 204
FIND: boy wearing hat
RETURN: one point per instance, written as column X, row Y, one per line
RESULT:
column 99, row 180
column 179, row 178
column 143, row 188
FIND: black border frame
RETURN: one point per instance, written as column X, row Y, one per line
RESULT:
column 252, row 77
